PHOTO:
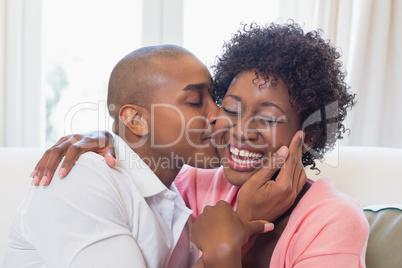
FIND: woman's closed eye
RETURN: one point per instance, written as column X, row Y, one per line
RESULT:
column 195, row 103
column 231, row 111
column 271, row 120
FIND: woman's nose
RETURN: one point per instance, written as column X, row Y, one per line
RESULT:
column 243, row 131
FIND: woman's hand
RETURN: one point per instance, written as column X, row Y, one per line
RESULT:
column 222, row 236
column 72, row 146
column 263, row 198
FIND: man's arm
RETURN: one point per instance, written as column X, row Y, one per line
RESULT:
column 221, row 235
column 81, row 221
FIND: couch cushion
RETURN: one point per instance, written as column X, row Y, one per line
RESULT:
column 384, row 247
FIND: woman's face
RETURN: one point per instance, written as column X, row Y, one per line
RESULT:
column 255, row 120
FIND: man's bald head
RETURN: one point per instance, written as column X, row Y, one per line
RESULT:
column 133, row 78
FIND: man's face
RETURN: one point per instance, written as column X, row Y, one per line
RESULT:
column 180, row 128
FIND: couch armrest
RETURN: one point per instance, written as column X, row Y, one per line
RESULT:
column 384, row 247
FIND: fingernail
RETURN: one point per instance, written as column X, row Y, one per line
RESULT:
column 62, row 172
column 35, row 181
column 282, row 151
column 32, row 174
column 268, row 227
column 302, row 135
column 43, row 181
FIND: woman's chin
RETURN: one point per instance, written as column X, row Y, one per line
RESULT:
column 235, row 177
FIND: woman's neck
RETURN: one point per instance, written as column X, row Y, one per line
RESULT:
column 261, row 252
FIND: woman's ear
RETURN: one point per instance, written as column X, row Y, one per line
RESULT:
column 132, row 117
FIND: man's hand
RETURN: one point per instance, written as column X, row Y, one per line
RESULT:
column 263, row 198
column 72, row 146
column 221, row 235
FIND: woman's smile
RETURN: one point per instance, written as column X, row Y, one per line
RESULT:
column 243, row 158
column 255, row 120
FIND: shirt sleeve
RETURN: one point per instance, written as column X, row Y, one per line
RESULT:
column 81, row 220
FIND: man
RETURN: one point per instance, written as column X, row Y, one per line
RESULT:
column 132, row 215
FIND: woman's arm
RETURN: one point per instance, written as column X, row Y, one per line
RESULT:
column 72, row 146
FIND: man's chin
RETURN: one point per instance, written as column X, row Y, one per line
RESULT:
column 205, row 162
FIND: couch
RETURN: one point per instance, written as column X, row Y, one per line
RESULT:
column 371, row 175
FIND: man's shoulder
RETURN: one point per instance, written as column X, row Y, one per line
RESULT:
column 91, row 187
column 89, row 179
column 91, row 159
column 91, row 166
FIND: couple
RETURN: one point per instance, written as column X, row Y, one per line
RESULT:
column 268, row 82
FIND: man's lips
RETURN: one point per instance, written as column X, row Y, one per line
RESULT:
column 209, row 139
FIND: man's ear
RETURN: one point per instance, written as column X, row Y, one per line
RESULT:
column 132, row 116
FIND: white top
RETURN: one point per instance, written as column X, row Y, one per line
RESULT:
column 102, row 217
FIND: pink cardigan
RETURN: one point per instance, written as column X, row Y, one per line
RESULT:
column 326, row 229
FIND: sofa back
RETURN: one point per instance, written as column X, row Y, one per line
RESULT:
column 371, row 175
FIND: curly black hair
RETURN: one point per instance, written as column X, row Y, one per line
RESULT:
column 309, row 66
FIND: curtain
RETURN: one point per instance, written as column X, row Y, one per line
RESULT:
column 2, row 70
column 368, row 34
column 22, row 100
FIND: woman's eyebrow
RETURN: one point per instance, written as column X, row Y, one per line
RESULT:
column 234, row 97
column 270, row 104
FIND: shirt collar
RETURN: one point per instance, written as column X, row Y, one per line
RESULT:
column 144, row 178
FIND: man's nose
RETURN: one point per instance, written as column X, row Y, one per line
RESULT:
column 212, row 118
column 212, row 111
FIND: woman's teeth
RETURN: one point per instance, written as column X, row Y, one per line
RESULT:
column 245, row 153
column 244, row 162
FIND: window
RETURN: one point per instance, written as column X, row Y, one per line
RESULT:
column 81, row 43
column 208, row 23
column 60, row 54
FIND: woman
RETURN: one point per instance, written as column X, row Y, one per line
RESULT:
column 271, row 82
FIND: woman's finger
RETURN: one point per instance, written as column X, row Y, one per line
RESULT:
column 52, row 163
column 299, row 168
column 73, row 153
column 265, row 174
column 288, row 170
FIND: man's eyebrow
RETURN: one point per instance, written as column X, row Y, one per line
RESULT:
column 270, row 104
column 198, row 86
